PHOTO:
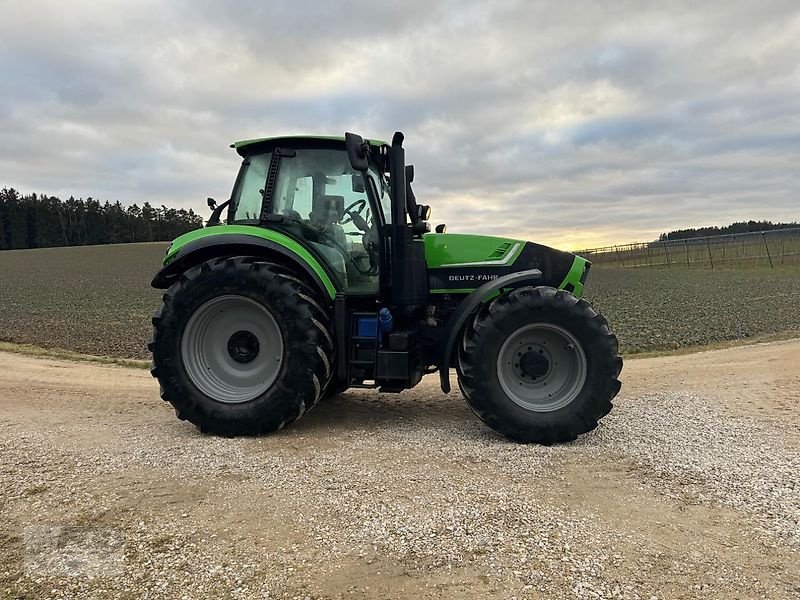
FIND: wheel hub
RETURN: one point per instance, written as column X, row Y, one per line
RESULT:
column 232, row 349
column 534, row 364
column 243, row 346
column 541, row 367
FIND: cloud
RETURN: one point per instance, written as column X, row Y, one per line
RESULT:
column 573, row 124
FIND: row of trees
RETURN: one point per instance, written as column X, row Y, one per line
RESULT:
column 38, row 221
column 740, row 227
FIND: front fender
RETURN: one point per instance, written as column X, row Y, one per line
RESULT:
column 456, row 322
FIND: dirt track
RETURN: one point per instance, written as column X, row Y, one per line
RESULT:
column 688, row 489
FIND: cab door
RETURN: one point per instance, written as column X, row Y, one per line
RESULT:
column 324, row 202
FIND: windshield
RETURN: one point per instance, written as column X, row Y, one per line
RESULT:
column 248, row 192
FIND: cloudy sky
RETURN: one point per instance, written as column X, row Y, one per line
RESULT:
column 572, row 123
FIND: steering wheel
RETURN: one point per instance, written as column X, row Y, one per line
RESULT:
column 353, row 210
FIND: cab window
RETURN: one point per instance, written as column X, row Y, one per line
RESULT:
column 248, row 195
column 323, row 201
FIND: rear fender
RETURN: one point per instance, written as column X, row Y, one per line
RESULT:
column 205, row 248
column 456, row 322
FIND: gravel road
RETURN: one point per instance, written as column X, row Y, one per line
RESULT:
column 688, row 489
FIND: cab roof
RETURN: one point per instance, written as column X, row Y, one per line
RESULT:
column 293, row 140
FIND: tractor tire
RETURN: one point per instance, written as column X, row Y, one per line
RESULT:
column 241, row 346
column 527, row 340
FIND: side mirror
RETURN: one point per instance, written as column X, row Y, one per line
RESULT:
column 212, row 204
column 217, row 211
column 356, row 151
column 421, row 228
column 441, row 228
column 410, row 173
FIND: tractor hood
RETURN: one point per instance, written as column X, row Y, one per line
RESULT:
column 460, row 263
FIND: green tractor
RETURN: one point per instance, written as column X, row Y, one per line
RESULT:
column 325, row 275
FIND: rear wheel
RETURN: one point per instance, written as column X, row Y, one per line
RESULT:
column 241, row 346
column 539, row 365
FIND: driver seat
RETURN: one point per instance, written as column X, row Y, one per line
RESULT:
column 326, row 212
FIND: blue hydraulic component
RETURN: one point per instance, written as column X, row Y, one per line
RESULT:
column 385, row 322
column 367, row 327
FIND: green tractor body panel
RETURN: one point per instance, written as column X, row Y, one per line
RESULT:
column 444, row 250
column 461, row 263
column 576, row 276
column 299, row 252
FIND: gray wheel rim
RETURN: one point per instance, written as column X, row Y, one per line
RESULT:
column 232, row 349
column 541, row 367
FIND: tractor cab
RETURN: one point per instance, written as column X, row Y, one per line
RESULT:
column 309, row 189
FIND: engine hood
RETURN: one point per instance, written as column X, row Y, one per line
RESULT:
column 460, row 263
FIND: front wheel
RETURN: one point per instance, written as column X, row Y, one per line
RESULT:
column 539, row 365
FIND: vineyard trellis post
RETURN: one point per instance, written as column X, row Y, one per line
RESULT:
column 766, row 245
column 710, row 258
column 738, row 255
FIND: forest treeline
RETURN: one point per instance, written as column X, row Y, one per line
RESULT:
column 733, row 228
column 39, row 221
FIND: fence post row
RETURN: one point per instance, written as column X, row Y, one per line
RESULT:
column 746, row 246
